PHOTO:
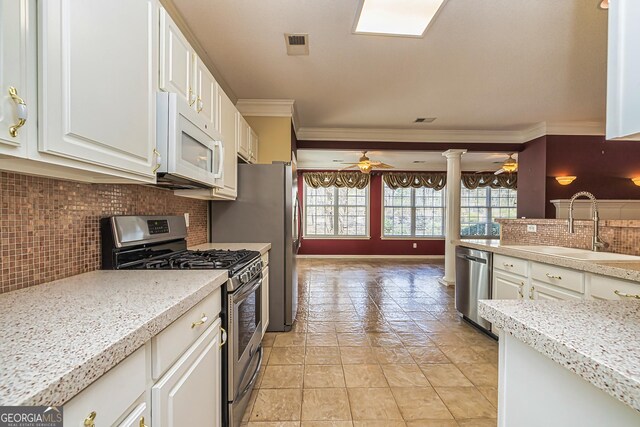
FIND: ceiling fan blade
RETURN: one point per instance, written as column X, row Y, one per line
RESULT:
column 499, row 171
column 385, row 166
column 352, row 164
column 350, row 167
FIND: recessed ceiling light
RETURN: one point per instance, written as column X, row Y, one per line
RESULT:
column 337, row 161
column 408, row 18
column 419, row 161
column 424, row 120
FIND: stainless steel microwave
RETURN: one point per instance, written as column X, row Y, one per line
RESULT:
column 189, row 156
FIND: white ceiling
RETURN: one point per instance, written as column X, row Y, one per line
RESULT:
column 483, row 65
column 401, row 160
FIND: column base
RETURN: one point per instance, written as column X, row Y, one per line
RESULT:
column 445, row 282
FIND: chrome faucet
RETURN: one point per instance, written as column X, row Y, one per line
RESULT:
column 597, row 244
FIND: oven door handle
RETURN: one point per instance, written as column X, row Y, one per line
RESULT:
column 243, row 296
column 253, row 377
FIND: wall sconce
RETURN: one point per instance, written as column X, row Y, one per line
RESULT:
column 636, row 181
column 565, row 180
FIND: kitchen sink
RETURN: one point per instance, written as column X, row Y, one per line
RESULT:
column 581, row 254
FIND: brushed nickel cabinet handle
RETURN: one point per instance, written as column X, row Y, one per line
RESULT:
column 22, row 112
column 224, row 337
column 202, row 320
column 625, row 295
column 551, row 276
column 158, row 160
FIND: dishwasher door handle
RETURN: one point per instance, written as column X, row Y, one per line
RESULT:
column 474, row 259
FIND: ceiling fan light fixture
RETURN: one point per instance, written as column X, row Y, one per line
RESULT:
column 510, row 165
column 604, row 4
column 405, row 18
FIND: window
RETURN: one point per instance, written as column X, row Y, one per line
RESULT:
column 480, row 208
column 336, row 212
column 413, row 212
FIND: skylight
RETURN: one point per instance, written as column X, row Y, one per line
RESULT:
column 408, row 18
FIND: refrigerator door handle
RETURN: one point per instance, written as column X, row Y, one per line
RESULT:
column 299, row 224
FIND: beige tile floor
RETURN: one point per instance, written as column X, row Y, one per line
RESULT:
column 376, row 343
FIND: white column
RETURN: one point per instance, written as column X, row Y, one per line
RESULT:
column 452, row 221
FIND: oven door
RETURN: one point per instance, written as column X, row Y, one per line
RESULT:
column 191, row 154
column 245, row 335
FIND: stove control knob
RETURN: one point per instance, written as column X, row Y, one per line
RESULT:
column 244, row 277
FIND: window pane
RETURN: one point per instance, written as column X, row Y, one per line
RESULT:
column 397, row 221
column 326, row 207
column 482, row 206
column 403, row 206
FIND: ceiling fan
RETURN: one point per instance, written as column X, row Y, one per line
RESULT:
column 366, row 165
column 510, row 165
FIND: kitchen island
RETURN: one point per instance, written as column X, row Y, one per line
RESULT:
column 567, row 363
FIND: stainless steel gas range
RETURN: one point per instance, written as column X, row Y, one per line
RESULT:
column 159, row 242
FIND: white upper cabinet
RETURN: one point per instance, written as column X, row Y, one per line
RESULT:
column 623, row 70
column 18, row 60
column 176, row 61
column 207, row 102
column 253, row 147
column 244, row 137
column 98, row 71
column 229, row 141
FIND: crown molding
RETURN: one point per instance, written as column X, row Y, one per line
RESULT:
column 576, row 128
column 269, row 108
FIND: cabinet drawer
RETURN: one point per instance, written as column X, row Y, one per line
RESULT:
column 512, row 265
column 265, row 259
column 543, row 291
column 558, row 276
column 168, row 345
column 111, row 395
column 613, row 289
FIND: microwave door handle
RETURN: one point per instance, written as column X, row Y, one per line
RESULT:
column 220, row 150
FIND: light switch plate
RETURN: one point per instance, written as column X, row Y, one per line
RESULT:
column 532, row 228
column 186, row 218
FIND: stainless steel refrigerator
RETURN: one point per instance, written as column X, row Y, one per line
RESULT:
column 267, row 209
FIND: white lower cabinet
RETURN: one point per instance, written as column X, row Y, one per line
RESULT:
column 265, row 299
column 190, row 392
column 542, row 291
column 607, row 288
column 113, row 396
column 506, row 286
column 139, row 416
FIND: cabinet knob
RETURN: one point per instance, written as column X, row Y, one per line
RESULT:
column 203, row 319
column 142, row 424
column 22, row 112
column 90, row 420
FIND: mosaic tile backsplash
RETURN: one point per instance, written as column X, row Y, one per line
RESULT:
column 50, row 229
column 623, row 236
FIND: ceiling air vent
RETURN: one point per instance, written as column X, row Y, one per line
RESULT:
column 297, row 44
column 424, row 120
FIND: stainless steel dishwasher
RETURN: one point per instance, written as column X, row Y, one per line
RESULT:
column 473, row 283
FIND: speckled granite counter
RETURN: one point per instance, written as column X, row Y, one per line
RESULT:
column 598, row 340
column 618, row 269
column 57, row 338
column 263, row 248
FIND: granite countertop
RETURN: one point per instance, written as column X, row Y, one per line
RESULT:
column 263, row 248
column 59, row 337
column 598, row 340
column 627, row 270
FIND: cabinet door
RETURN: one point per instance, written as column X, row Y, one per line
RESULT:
column 17, row 76
column 623, row 70
column 139, row 417
column 228, row 129
column 98, row 78
column 540, row 291
column 265, row 299
column 508, row 287
column 189, row 394
column 253, row 150
column 207, row 100
column 244, row 137
column 176, row 60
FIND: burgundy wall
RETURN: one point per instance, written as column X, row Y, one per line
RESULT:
column 532, row 167
column 375, row 245
column 602, row 167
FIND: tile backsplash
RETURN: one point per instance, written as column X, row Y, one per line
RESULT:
column 50, row 229
column 623, row 236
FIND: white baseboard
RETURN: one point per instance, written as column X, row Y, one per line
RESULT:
column 371, row 256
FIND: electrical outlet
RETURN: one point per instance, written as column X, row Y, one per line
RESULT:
column 415, row 246
column 532, row 228
column 186, row 218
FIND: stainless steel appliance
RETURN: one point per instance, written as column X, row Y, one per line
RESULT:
column 190, row 155
column 267, row 210
column 473, row 283
column 158, row 242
